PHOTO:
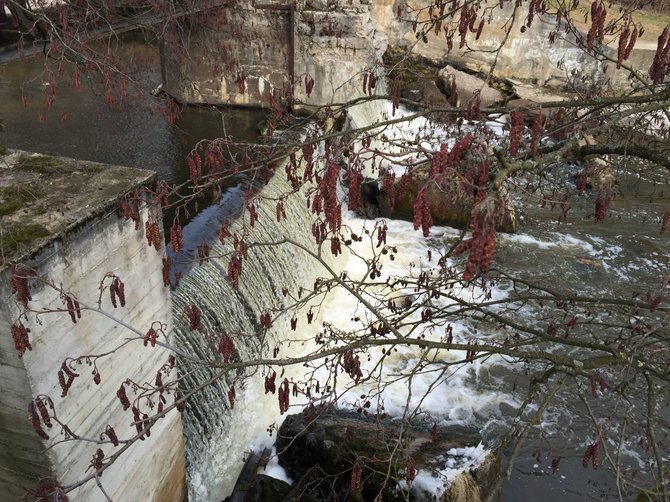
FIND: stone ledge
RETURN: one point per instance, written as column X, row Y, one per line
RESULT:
column 44, row 197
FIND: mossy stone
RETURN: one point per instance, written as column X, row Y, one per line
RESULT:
column 14, row 198
column 40, row 164
column 22, row 234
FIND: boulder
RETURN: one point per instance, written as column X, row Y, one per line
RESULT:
column 254, row 487
column 425, row 92
column 262, row 488
column 530, row 109
column 533, row 93
column 467, row 85
column 448, row 203
column 321, row 451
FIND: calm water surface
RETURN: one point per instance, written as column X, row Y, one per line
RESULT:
column 81, row 124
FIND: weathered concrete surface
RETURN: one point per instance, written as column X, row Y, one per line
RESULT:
column 234, row 56
column 76, row 203
column 336, row 44
column 238, row 53
column 55, row 194
column 332, row 43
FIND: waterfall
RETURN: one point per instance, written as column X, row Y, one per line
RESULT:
column 216, row 436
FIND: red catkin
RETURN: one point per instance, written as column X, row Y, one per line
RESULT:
column 194, row 315
column 176, row 237
column 226, row 347
column 231, row 397
column 167, row 265
column 355, row 482
column 516, row 133
column 352, row 365
column 35, row 420
column 70, row 309
column 270, row 385
column 20, row 337
column 111, row 434
column 153, row 234
column 664, row 221
column 283, row 396
column 18, row 282
column 121, row 394
column 44, row 412
column 150, row 337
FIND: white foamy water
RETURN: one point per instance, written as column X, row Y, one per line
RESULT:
column 397, row 383
column 451, row 397
column 454, row 462
column 394, row 146
column 401, row 386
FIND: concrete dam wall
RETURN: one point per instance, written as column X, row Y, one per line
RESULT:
column 60, row 218
column 240, row 52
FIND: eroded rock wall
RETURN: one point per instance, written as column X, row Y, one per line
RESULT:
column 543, row 54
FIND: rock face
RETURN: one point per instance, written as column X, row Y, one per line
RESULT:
column 467, row 85
column 243, row 52
column 240, row 53
column 84, row 238
column 336, row 44
column 526, row 55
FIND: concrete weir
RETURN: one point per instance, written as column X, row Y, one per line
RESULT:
column 60, row 218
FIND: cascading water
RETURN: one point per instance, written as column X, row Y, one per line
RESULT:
column 216, row 436
column 470, row 395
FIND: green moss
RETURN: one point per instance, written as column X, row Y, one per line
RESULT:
column 3, row 150
column 14, row 198
column 40, row 164
column 22, row 234
column 9, row 206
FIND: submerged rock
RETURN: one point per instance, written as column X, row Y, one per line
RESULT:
column 252, row 486
column 448, row 203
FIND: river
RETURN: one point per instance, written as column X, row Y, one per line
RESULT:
column 577, row 253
